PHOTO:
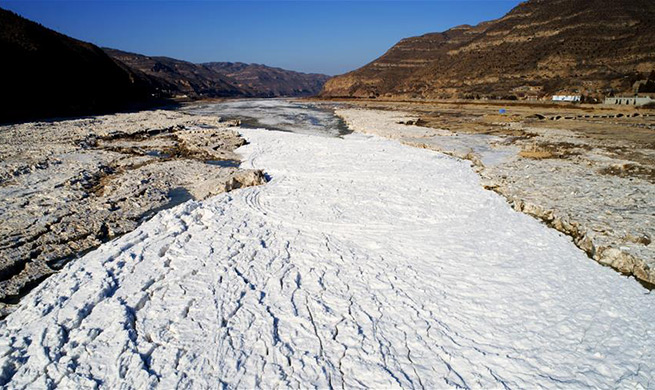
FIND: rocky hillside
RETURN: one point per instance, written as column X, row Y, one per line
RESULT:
column 223, row 79
column 541, row 47
column 268, row 81
column 46, row 74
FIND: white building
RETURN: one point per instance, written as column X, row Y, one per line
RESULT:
column 629, row 100
column 566, row 98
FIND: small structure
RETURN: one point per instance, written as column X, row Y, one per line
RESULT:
column 629, row 100
column 567, row 98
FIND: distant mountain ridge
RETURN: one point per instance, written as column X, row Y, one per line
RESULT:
column 541, row 47
column 222, row 79
column 45, row 74
column 180, row 77
column 267, row 81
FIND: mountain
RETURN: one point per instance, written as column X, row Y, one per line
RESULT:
column 541, row 47
column 181, row 77
column 269, row 81
column 46, row 74
column 222, row 79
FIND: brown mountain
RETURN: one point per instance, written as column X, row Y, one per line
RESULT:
column 541, row 47
column 46, row 74
column 181, row 77
column 223, row 79
column 268, row 81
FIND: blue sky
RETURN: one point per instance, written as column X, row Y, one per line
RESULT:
column 330, row 37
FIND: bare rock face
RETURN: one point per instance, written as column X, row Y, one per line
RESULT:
column 69, row 186
column 180, row 77
column 540, row 48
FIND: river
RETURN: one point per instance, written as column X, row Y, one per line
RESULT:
column 363, row 263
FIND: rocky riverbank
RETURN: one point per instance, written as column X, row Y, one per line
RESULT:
column 68, row 186
column 588, row 174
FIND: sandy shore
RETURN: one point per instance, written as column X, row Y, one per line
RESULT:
column 587, row 171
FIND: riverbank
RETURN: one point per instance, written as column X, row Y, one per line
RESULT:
column 589, row 173
column 362, row 263
column 68, row 186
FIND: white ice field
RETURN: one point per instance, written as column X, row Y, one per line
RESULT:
column 361, row 264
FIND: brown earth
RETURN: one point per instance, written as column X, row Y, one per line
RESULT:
column 268, row 81
column 625, row 133
column 603, row 123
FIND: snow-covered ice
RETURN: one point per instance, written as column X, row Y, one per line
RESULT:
column 362, row 263
column 582, row 193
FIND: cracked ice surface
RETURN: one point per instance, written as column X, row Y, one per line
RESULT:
column 363, row 263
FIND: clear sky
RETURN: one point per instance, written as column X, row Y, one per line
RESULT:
column 329, row 37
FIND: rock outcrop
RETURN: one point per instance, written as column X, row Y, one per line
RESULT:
column 541, row 47
column 69, row 186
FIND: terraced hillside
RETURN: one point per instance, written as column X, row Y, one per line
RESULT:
column 541, row 47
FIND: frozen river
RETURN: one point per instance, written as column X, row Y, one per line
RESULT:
column 278, row 114
column 363, row 263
